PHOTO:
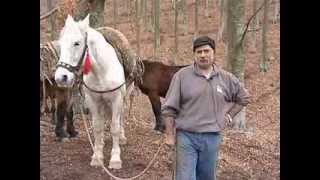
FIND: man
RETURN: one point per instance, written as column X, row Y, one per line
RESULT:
column 197, row 108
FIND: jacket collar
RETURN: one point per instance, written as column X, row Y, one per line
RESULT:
column 214, row 72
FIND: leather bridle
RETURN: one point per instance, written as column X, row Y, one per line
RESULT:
column 78, row 73
column 75, row 69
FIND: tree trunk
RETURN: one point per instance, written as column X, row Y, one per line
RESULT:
column 254, row 25
column 138, row 25
column 264, row 54
column 157, row 28
column 258, row 16
column 206, row 12
column 223, row 4
column 51, row 21
column 129, row 10
column 115, row 13
column 151, row 17
column 276, row 12
column 196, row 3
column 184, row 10
column 173, row 2
column 176, row 13
column 98, row 13
column 96, row 10
column 236, row 56
column 144, row 13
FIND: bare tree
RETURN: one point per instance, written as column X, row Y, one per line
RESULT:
column 144, row 14
column 223, row 4
column 52, row 29
column 95, row 8
column 254, row 24
column 175, row 53
column 115, row 13
column 138, row 25
column 156, row 27
column 196, row 6
column 276, row 11
column 184, row 13
column 151, row 17
column 129, row 9
column 206, row 12
column 98, row 13
column 235, row 55
column 265, row 26
column 181, row 6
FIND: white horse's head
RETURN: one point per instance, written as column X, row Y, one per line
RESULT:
column 73, row 44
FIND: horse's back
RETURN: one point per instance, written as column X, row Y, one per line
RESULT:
column 157, row 77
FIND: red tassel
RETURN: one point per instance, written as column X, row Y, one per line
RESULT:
column 87, row 64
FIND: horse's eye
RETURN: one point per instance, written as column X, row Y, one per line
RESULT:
column 76, row 44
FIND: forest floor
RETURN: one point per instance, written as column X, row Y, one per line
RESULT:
column 250, row 154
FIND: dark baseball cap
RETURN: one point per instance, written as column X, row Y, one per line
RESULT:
column 203, row 40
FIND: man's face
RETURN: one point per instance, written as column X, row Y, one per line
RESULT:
column 204, row 56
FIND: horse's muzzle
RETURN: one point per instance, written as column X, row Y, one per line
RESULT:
column 64, row 78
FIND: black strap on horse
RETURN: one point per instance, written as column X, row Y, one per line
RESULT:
column 97, row 91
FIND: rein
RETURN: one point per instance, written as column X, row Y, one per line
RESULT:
column 102, row 164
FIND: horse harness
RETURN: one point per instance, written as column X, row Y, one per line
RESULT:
column 78, row 73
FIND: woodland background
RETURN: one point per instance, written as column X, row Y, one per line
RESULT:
column 163, row 31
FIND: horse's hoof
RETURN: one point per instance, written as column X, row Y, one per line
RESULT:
column 86, row 111
column 96, row 162
column 62, row 139
column 115, row 164
column 61, row 134
column 159, row 129
column 53, row 122
column 123, row 141
column 73, row 134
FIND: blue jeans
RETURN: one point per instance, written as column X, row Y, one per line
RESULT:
column 197, row 155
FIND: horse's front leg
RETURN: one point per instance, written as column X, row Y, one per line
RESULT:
column 59, row 130
column 123, row 139
column 115, row 161
column 54, row 108
column 98, row 122
column 156, row 107
column 70, row 123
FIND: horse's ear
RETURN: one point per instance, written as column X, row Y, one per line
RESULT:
column 69, row 19
column 84, row 24
column 86, row 20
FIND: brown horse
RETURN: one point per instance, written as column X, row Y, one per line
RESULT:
column 155, row 84
column 63, row 98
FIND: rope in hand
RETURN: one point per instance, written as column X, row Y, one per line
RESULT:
column 105, row 169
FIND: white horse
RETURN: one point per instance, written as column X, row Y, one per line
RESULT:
column 77, row 39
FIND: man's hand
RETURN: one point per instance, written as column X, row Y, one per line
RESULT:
column 170, row 139
column 170, row 133
column 228, row 119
